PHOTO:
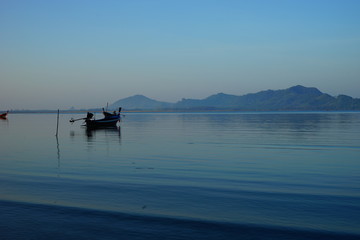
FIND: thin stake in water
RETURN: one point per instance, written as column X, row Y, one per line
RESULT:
column 57, row 124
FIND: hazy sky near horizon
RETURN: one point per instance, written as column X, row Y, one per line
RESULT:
column 85, row 53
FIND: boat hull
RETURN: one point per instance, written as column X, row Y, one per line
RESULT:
column 102, row 123
column 3, row 115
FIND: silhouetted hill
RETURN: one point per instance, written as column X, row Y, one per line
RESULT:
column 293, row 98
column 220, row 100
column 139, row 102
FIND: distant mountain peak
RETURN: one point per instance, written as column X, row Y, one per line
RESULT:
column 299, row 89
column 138, row 96
column 219, row 95
column 139, row 101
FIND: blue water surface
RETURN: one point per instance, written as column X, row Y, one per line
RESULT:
column 232, row 175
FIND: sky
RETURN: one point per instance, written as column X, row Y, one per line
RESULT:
column 87, row 53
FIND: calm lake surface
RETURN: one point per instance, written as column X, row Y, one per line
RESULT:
column 182, row 176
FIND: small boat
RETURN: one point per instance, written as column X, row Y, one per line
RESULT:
column 109, row 120
column 4, row 115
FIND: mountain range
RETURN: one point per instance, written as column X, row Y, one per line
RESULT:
column 296, row 98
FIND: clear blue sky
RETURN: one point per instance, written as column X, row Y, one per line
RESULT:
column 85, row 53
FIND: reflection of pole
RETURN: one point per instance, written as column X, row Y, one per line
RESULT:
column 57, row 139
column 57, row 124
column 58, row 150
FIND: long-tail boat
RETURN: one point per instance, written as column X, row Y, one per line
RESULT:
column 109, row 120
column 4, row 115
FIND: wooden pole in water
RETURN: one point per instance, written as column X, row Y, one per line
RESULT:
column 57, row 124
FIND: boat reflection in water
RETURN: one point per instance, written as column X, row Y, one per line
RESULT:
column 99, row 139
column 105, row 131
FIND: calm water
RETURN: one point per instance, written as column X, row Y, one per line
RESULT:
column 182, row 176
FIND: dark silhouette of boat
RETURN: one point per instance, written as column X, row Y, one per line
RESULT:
column 4, row 115
column 109, row 120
